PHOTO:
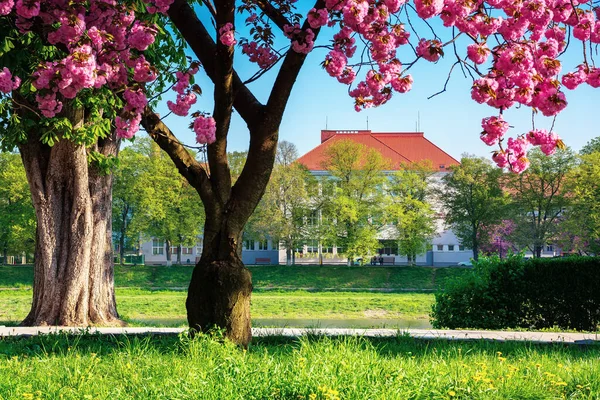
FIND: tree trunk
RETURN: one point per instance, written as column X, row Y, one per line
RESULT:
column 537, row 253
column 73, row 272
column 221, row 286
column 122, row 234
column 168, row 244
column 179, row 254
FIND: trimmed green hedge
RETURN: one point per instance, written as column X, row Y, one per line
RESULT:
column 519, row 293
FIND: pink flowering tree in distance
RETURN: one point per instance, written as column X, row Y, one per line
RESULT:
column 74, row 79
column 497, row 239
column 510, row 48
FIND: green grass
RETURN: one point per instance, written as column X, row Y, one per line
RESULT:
column 319, row 278
column 92, row 367
column 167, row 307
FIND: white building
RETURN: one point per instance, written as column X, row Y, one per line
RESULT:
column 400, row 148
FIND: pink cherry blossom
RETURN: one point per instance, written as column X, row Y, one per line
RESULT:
column 431, row 50
column 141, row 36
column 205, row 129
column 227, row 35
column 428, row 8
column 478, row 52
column 317, row 18
column 6, row 7
column 48, row 104
column 8, row 82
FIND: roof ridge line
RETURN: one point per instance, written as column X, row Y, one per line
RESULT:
column 386, row 145
column 440, row 149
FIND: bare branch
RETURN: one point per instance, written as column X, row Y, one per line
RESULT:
column 274, row 14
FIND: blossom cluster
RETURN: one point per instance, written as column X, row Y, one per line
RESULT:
column 227, row 35
column 185, row 96
column 203, row 126
column 105, row 44
column 8, row 83
column 302, row 40
column 205, row 129
column 514, row 156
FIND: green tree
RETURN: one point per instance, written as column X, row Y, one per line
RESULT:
column 17, row 216
column 473, row 199
column 593, row 146
column 540, row 197
column 580, row 228
column 410, row 210
column 282, row 212
column 168, row 205
column 128, row 190
column 354, row 202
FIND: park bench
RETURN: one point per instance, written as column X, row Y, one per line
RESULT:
column 262, row 260
column 389, row 260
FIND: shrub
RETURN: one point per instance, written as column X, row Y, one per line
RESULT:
column 520, row 293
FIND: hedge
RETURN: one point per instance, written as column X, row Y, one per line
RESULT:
column 519, row 293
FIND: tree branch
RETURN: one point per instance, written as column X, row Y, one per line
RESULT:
column 274, row 15
column 203, row 45
column 187, row 166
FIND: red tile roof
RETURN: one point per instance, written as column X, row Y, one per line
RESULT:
column 399, row 147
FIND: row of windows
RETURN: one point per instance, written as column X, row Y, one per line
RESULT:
column 451, row 247
column 158, row 248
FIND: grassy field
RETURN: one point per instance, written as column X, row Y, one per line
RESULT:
column 167, row 307
column 292, row 296
column 311, row 368
column 264, row 277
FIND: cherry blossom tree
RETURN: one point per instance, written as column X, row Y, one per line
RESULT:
column 513, row 52
column 73, row 83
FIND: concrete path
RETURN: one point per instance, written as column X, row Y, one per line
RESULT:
column 536, row 337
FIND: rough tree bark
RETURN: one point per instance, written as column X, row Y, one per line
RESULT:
column 73, row 272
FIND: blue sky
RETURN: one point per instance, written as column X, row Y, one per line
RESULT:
column 451, row 120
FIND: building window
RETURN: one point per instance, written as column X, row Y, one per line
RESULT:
column 388, row 247
column 249, row 244
column 327, row 249
column 312, row 246
column 174, row 249
column 187, row 250
column 440, row 247
column 263, row 245
column 313, row 219
column 549, row 248
column 199, row 248
column 450, row 247
column 158, row 247
column 461, row 247
column 442, row 166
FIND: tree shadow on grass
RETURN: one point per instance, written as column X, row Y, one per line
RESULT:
column 400, row 346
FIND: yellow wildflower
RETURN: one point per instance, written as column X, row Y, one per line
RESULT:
column 312, row 396
column 451, row 393
column 501, row 359
column 27, row 395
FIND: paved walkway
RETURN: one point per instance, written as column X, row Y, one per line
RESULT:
column 537, row 337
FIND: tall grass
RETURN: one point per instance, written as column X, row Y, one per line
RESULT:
column 92, row 367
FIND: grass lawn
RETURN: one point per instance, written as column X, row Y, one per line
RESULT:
column 139, row 303
column 93, row 367
column 167, row 307
column 326, row 277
